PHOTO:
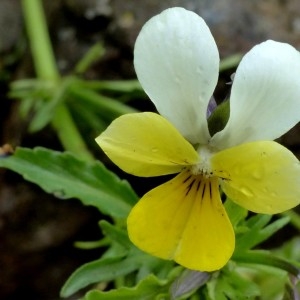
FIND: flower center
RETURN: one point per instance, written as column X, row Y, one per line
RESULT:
column 203, row 167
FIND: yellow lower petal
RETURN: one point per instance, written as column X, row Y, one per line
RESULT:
column 184, row 220
column 263, row 176
column 146, row 144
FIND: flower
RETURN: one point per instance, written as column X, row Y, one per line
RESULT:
column 177, row 61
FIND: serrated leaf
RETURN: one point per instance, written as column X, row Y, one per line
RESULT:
column 150, row 288
column 105, row 269
column 66, row 176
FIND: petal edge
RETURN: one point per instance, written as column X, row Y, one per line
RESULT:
column 262, row 177
column 177, row 63
column 265, row 96
column 184, row 221
column 146, row 144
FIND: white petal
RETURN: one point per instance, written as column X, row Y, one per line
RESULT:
column 265, row 96
column 177, row 61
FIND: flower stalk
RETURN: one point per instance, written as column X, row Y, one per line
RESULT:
column 46, row 69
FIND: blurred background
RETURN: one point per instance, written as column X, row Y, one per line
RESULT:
column 38, row 230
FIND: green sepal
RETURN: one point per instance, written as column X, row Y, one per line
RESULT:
column 219, row 117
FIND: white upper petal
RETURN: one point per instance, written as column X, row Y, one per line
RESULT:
column 265, row 96
column 177, row 62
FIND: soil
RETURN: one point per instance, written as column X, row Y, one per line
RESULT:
column 36, row 238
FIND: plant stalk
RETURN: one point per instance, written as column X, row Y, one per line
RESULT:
column 46, row 68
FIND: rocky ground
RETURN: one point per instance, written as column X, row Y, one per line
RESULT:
column 36, row 238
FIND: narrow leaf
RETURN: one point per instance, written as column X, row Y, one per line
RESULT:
column 235, row 212
column 98, row 271
column 258, row 231
column 115, row 234
column 94, row 53
column 231, row 285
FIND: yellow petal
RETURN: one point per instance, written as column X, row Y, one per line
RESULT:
column 263, row 176
column 146, row 144
column 184, row 220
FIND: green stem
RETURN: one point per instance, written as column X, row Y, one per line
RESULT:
column 266, row 259
column 40, row 43
column 46, row 68
column 69, row 134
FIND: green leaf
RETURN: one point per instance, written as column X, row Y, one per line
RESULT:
column 231, row 285
column 44, row 114
column 107, row 107
column 294, row 218
column 94, row 53
column 150, row 288
column 230, row 62
column 87, row 118
column 120, row 244
column 98, row 271
column 258, row 231
column 290, row 249
column 48, row 105
column 115, row 234
column 274, row 283
column 38, row 96
column 265, row 258
column 121, row 86
column 236, row 213
column 121, row 259
column 66, row 176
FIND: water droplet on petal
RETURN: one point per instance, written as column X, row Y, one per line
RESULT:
column 246, row 191
column 154, row 150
